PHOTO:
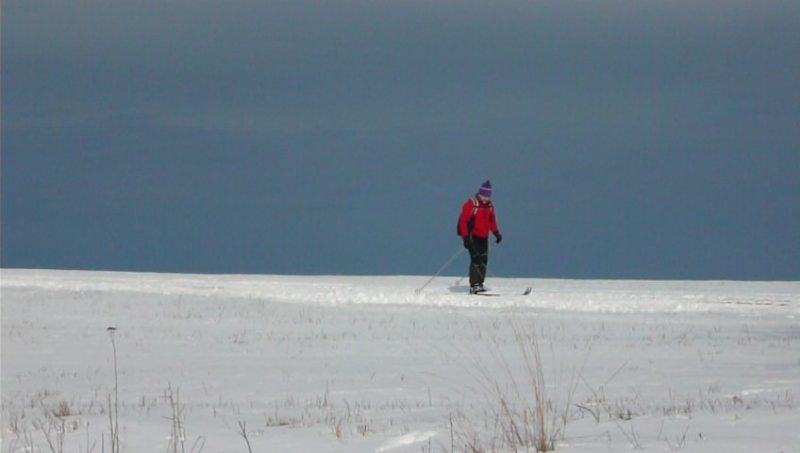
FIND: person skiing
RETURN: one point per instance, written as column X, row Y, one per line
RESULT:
column 476, row 222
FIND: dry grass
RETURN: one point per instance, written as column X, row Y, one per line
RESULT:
column 522, row 415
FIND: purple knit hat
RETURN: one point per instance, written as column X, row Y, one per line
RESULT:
column 486, row 189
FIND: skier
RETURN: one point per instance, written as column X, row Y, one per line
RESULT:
column 477, row 220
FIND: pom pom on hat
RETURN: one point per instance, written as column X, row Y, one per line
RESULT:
column 486, row 189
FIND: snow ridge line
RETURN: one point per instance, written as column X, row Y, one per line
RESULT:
column 750, row 298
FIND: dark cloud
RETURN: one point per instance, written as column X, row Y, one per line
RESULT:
column 626, row 139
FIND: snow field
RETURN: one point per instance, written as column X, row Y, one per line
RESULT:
column 656, row 366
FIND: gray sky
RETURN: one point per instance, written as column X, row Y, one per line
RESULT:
column 624, row 139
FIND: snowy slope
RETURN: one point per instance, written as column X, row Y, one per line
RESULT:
column 368, row 364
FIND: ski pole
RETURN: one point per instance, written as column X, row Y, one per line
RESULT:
column 448, row 263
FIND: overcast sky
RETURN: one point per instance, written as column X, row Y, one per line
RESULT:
column 624, row 139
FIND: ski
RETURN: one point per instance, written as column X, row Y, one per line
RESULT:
column 527, row 291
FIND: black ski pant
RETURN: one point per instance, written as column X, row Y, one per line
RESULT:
column 478, row 259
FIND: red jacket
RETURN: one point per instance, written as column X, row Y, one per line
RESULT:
column 485, row 219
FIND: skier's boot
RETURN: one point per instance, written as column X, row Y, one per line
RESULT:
column 476, row 289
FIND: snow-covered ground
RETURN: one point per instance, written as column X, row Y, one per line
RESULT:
column 367, row 364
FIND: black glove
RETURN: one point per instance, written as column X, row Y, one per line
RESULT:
column 498, row 237
column 467, row 242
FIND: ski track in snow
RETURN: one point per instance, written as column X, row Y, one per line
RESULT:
column 405, row 440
